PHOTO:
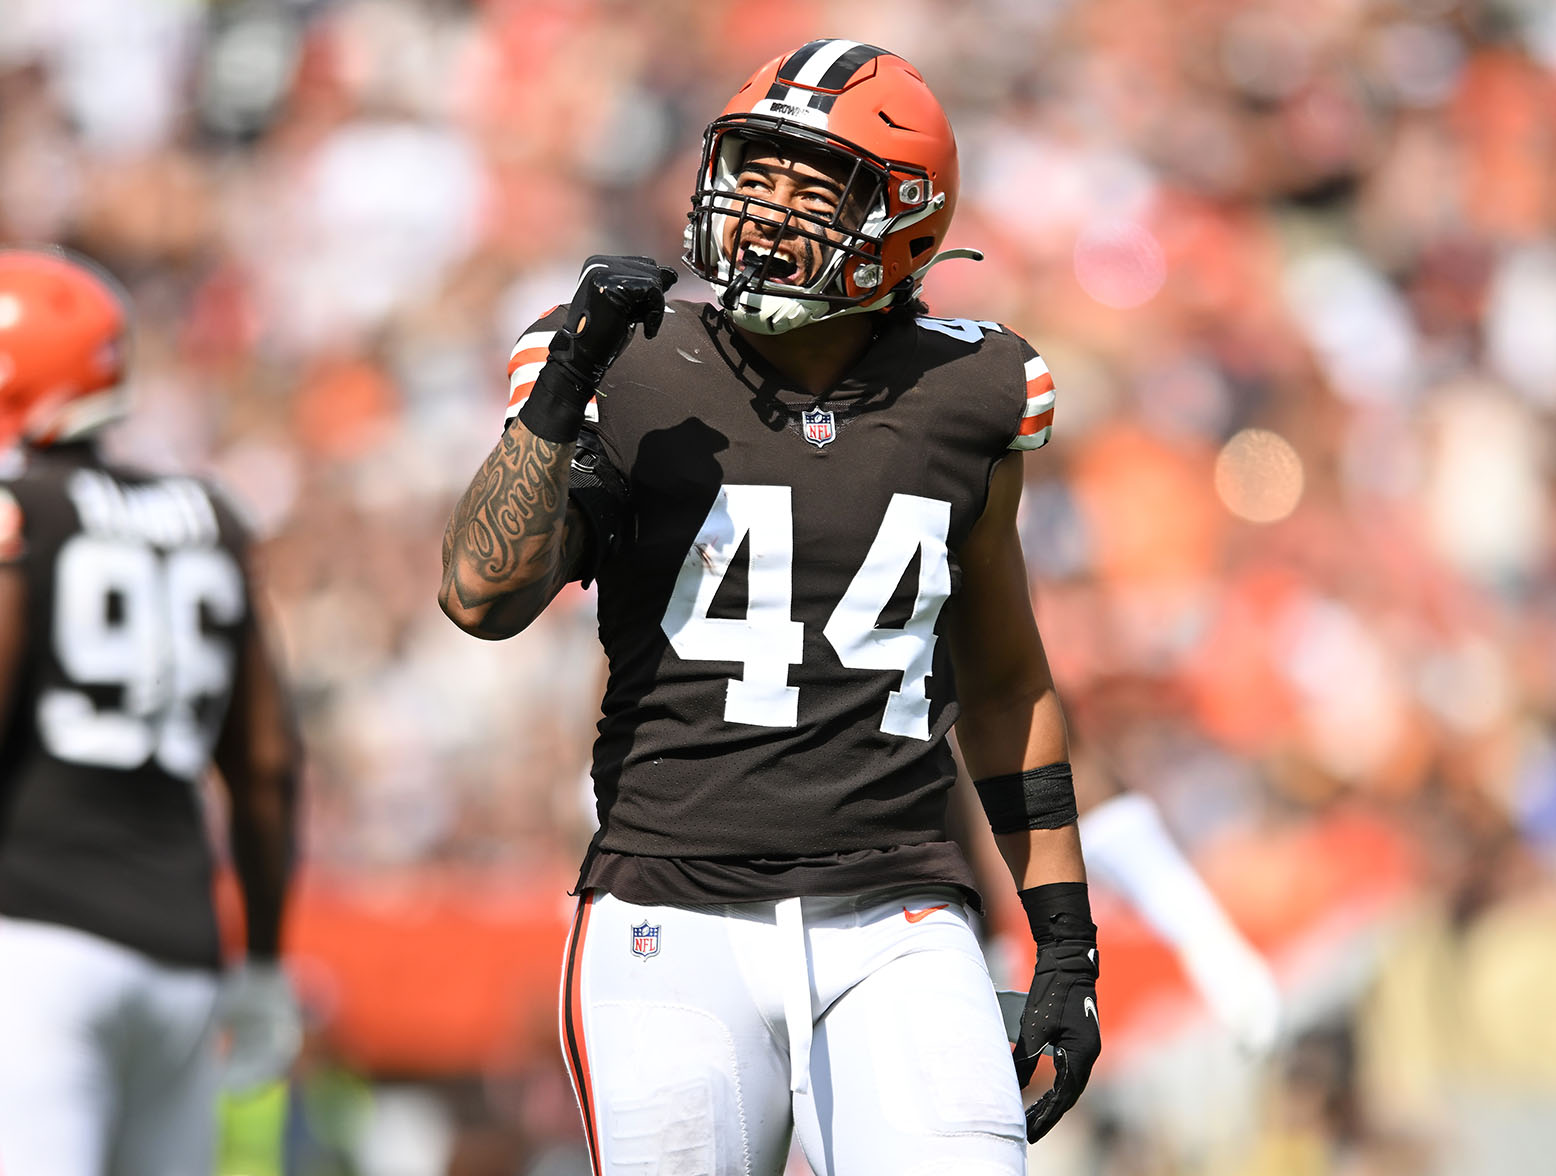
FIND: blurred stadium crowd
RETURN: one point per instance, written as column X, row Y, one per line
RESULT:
column 1293, row 265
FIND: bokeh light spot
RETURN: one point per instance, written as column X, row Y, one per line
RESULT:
column 1259, row 476
column 1119, row 263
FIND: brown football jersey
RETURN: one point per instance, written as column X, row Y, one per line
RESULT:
column 137, row 602
column 779, row 684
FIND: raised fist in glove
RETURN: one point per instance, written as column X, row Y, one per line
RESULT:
column 261, row 1024
column 1061, row 1008
column 614, row 295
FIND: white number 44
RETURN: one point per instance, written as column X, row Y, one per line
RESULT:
column 767, row 640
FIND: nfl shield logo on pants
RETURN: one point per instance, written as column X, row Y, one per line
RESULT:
column 820, row 426
column 645, row 940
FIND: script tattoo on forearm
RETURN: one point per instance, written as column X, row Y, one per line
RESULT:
column 507, row 548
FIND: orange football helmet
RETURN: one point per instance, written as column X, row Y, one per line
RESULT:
column 870, row 117
column 62, row 342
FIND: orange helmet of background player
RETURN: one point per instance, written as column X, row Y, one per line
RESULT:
column 871, row 119
column 62, row 336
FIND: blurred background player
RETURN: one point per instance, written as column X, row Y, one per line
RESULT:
column 1130, row 851
column 131, row 662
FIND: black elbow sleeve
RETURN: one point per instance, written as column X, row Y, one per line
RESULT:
column 601, row 494
column 1039, row 798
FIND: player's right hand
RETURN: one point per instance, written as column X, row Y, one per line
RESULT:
column 614, row 295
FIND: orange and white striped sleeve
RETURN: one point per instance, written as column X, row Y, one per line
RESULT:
column 524, row 364
column 1037, row 415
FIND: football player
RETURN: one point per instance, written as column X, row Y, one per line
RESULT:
column 799, row 505
column 131, row 660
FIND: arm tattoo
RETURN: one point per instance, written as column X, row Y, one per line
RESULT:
column 509, row 546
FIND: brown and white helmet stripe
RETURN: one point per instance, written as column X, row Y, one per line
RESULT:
column 814, row 69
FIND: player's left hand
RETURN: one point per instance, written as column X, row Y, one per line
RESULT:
column 258, row 1014
column 1061, row 1011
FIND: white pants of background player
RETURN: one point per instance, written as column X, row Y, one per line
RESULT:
column 699, row 1037
column 107, row 1058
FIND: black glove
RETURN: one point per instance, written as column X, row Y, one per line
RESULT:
column 614, row 294
column 1061, row 1008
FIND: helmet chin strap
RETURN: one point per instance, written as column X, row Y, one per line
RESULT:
column 945, row 255
column 912, row 281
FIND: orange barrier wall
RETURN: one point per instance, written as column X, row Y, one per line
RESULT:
column 442, row 971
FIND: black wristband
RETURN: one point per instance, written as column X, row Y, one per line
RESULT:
column 555, row 409
column 1058, row 910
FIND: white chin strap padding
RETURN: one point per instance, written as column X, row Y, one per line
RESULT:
column 773, row 314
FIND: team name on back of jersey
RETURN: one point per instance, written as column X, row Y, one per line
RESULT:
column 171, row 512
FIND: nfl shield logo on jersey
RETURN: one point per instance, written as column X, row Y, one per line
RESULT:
column 820, row 426
column 645, row 940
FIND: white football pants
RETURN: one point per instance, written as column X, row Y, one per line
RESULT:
column 107, row 1058
column 698, row 1038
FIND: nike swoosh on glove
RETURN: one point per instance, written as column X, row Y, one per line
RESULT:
column 1061, row 1011
column 259, row 1018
